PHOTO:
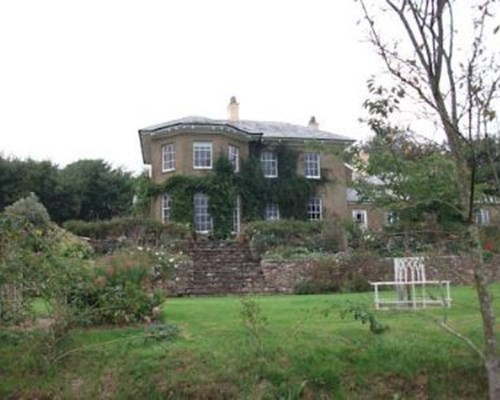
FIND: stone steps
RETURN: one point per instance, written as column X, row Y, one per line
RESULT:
column 223, row 268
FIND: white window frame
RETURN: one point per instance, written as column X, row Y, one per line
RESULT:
column 166, row 207
column 234, row 157
column 483, row 216
column 168, row 157
column 237, row 215
column 272, row 212
column 315, row 209
column 202, row 152
column 269, row 164
column 363, row 221
column 203, row 222
column 390, row 218
column 312, row 165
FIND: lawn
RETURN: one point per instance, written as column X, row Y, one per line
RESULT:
column 289, row 347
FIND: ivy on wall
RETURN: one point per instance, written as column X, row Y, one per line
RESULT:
column 289, row 190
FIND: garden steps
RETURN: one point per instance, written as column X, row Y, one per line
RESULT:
column 220, row 267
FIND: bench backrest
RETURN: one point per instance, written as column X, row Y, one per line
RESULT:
column 409, row 269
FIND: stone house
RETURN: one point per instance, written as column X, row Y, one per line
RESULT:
column 190, row 146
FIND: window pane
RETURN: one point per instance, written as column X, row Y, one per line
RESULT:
column 202, row 155
column 272, row 212
column 314, row 209
column 234, row 157
column 269, row 163
column 168, row 157
column 237, row 215
column 360, row 218
column 202, row 218
column 483, row 217
column 312, row 165
column 166, row 207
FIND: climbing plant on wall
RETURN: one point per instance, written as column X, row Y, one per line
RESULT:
column 289, row 190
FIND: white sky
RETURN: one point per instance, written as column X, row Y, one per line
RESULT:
column 79, row 78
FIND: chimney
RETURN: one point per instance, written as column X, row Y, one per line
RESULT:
column 233, row 109
column 313, row 123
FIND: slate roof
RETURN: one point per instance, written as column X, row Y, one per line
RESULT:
column 251, row 129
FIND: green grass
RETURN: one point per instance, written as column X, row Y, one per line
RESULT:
column 304, row 350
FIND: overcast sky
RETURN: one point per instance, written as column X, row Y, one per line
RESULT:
column 79, row 78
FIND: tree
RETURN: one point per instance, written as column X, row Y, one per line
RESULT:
column 94, row 190
column 458, row 87
column 411, row 178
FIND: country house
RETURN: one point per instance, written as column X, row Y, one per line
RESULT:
column 300, row 174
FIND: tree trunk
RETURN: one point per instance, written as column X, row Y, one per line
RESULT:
column 493, row 369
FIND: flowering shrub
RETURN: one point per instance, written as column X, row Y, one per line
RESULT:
column 119, row 290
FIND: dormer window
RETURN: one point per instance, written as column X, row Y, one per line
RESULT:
column 269, row 163
column 312, row 168
column 168, row 157
column 202, row 155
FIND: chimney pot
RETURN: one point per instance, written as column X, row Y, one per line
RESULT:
column 233, row 109
column 313, row 123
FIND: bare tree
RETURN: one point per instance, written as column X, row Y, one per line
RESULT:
column 459, row 86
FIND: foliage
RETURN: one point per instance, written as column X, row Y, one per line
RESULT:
column 456, row 82
column 37, row 258
column 362, row 313
column 485, row 160
column 118, row 291
column 312, row 236
column 290, row 191
column 30, row 209
column 86, row 189
column 97, row 191
column 161, row 332
column 345, row 273
column 411, row 179
column 253, row 321
column 490, row 237
column 135, row 230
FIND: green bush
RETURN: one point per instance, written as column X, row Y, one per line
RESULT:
column 310, row 236
column 351, row 273
column 118, row 291
column 138, row 231
column 37, row 259
column 490, row 237
column 30, row 209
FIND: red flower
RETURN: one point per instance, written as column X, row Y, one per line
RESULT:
column 488, row 245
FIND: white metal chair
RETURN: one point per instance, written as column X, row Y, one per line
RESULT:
column 412, row 289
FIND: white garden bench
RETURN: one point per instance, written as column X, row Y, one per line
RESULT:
column 411, row 288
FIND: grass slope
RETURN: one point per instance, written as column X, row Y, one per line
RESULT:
column 299, row 347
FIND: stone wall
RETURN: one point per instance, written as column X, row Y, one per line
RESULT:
column 218, row 268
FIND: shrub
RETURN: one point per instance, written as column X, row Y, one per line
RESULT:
column 351, row 273
column 312, row 236
column 490, row 237
column 135, row 231
column 31, row 210
column 35, row 261
column 118, row 291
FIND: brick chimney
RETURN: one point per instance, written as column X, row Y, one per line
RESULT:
column 233, row 109
column 313, row 123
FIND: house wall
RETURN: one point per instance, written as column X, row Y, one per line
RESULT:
column 375, row 215
column 332, row 193
column 184, row 157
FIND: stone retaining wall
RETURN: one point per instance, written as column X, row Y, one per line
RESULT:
column 233, row 268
